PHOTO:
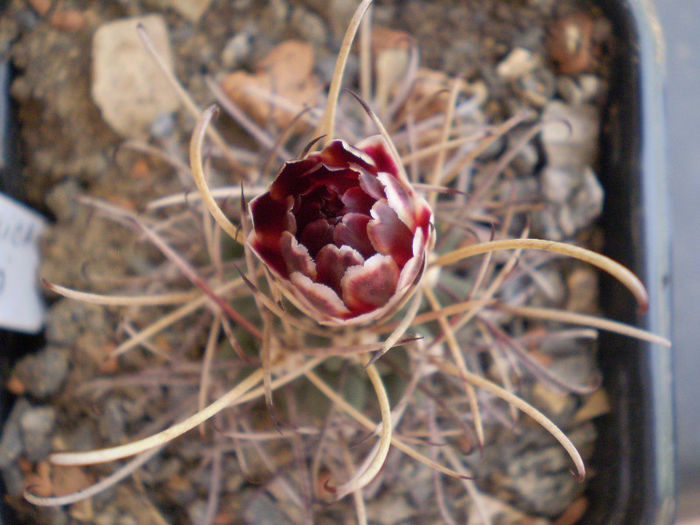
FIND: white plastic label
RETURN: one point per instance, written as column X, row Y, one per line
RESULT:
column 21, row 306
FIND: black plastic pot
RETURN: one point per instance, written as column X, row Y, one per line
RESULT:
column 634, row 459
column 11, row 344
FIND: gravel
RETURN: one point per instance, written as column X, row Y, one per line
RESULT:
column 11, row 445
column 43, row 373
column 553, row 175
column 36, row 425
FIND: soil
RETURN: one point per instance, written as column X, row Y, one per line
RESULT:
column 76, row 166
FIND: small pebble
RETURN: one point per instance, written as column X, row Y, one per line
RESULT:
column 537, row 87
column 197, row 511
column 13, row 478
column 236, row 50
column 569, row 90
column 241, row 5
column 576, row 369
column 585, row 205
column 36, row 424
column 580, row 90
column 127, row 519
column 105, row 498
column 570, row 43
column 546, row 225
column 518, row 62
column 111, row 423
column 554, row 403
column 68, row 320
column 583, row 437
column 190, row 9
column 70, row 20
column 524, row 188
column 596, row 405
column 576, row 194
column 558, row 183
column 547, row 494
column 163, row 126
column 61, row 199
column 287, row 70
column 82, row 511
column 26, row 20
column 84, row 437
column 11, row 445
column 107, row 517
column 263, row 510
column 550, row 286
column 54, row 516
column 43, row 373
column 526, row 160
column 309, row 26
column 391, row 509
column 40, row 6
column 275, row 14
column 583, row 290
column 591, row 86
column 570, row 134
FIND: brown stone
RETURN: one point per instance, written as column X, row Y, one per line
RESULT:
column 286, row 72
column 68, row 20
column 570, row 43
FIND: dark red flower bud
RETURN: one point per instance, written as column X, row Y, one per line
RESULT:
column 344, row 233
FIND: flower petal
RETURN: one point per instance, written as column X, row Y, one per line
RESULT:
column 296, row 256
column 370, row 185
column 337, row 179
column 291, row 178
column 316, row 235
column 388, row 234
column 271, row 217
column 332, row 262
column 270, row 255
column 340, row 153
column 371, row 285
column 357, row 200
column 321, row 297
column 400, row 199
column 300, row 177
column 352, row 231
column 415, row 265
column 378, row 150
column 424, row 217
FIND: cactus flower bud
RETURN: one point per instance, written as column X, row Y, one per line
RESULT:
column 344, row 233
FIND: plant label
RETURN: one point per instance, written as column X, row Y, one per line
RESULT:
column 21, row 306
